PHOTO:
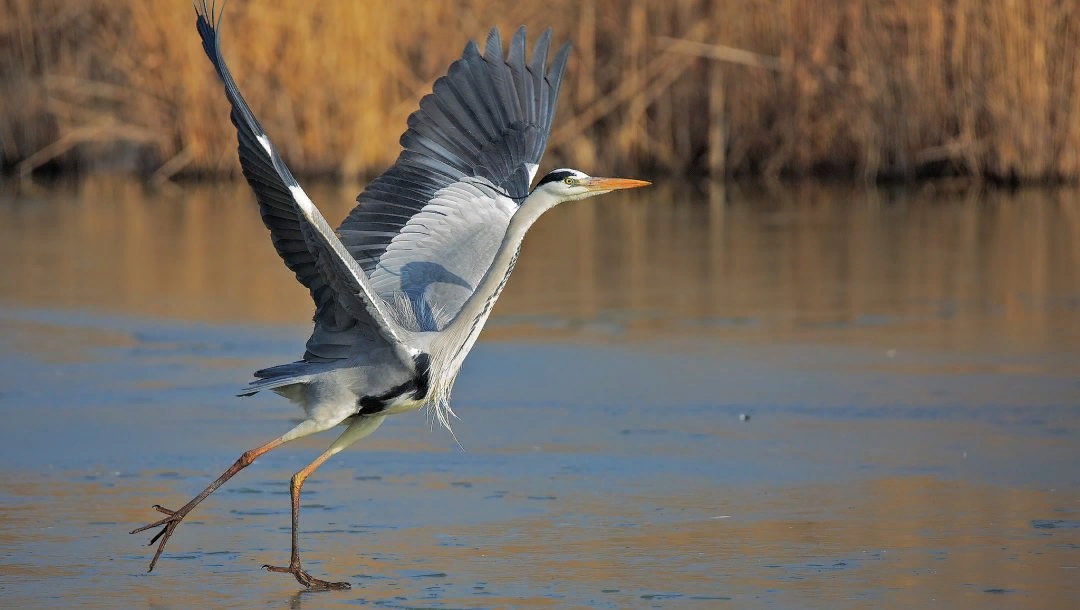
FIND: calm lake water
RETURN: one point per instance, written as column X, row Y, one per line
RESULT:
column 909, row 362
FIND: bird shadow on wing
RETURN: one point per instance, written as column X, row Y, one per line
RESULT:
column 433, row 293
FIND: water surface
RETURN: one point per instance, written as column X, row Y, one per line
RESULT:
column 800, row 397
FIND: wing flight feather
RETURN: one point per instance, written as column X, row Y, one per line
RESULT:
column 428, row 227
column 300, row 234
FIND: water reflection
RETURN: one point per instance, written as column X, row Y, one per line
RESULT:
column 970, row 270
column 606, row 468
column 908, row 540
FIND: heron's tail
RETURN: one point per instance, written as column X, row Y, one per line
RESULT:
column 279, row 376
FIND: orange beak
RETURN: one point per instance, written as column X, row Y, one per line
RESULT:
column 613, row 184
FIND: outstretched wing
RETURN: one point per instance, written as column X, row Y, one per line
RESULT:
column 428, row 228
column 300, row 234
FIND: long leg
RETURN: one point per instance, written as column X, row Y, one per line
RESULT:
column 358, row 429
column 174, row 518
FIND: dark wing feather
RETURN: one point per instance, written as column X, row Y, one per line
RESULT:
column 307, row 244
column 276, row 205
column 489, row 118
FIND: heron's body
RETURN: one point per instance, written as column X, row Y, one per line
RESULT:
column 372, row 380
column 404, row 286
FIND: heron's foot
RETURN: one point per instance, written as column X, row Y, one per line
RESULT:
column 307, row 580
column 173, row 518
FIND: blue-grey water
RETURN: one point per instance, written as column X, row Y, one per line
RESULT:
column 802, row 397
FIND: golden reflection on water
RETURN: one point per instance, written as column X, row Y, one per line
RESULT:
column 911, row 540
column 803, row 262
column 977, row 271
column 854, row 539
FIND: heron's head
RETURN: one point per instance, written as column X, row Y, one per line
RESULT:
column 570, row 185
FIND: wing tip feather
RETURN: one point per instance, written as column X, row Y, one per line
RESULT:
column 539, row 53
column 493, row 46
column 516, row 55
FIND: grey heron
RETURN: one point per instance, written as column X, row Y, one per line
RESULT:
column 403, row 287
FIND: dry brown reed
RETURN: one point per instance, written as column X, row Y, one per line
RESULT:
column 871, row 88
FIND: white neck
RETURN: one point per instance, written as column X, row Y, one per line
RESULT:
column 459, row 335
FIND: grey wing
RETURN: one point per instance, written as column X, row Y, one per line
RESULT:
column 427, row 229
column 437, row 259
column 341, row 290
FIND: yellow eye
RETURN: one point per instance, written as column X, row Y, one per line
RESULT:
column 569, row 182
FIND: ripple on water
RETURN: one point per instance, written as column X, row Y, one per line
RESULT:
column 259, row 512
column 1055, row 524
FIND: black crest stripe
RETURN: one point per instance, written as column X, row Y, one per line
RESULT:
column 555, row 176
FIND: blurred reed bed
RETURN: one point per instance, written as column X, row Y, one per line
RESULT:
column 868, row 88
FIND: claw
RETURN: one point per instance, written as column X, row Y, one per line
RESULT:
column 170, row 522
column 174, row 517
column 158, row 535
column 307, row 580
